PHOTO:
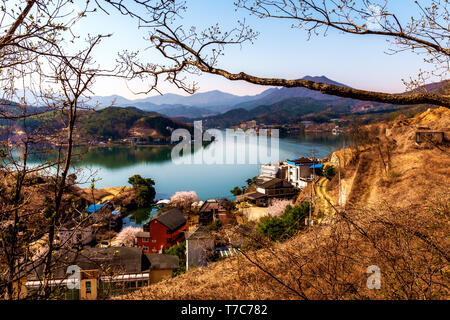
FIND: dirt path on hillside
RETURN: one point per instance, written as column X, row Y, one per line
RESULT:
column 366, row 171
column 324, row 200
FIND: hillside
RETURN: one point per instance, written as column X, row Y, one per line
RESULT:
column 397, row 220
column 119, row 123
column 286, row 111
column 112, row 123
column 404, row 174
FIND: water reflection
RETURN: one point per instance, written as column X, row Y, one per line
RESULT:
column 114, row 165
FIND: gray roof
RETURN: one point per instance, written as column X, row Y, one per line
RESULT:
column 211, row 206
column 275, row 183
column 118, row 260
column 172, row 219
column 162, row 261
column 199, row 233
column 255, row 195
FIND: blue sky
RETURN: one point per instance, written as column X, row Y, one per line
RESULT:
column 279, row 51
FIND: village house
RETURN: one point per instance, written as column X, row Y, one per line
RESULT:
column 161, row 266
column 299, row 171
column 104, row 212
column 248, row 125
column 75, row 233
column 276, row 187
column 198, row 243
column 268, row 172
column 265, row 191
column 104, row 272
column 162, row 232
column 212, row 210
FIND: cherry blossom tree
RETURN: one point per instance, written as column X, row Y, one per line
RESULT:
column 183, row 199
column 127, row 236
column 277, row 207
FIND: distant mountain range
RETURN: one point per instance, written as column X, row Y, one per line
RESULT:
column 212, row 102
column 215, row 103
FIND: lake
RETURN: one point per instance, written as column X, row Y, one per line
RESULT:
column 114, row 165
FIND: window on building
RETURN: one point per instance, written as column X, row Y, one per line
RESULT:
column 88, row 287
column 154, row 241
column 144, row 239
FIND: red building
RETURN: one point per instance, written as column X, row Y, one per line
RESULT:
column 163, row 232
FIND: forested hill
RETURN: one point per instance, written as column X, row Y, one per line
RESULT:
column 112, row 123
column 117, row 123
column 285, row 111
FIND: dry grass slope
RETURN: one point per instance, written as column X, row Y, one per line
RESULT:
column 399, row 221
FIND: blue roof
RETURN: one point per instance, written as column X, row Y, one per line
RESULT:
column 94, row 207
column 299, row 164
column 317, row 166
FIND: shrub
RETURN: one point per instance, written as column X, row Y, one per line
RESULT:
column 294, row 218
column 284, row 227
column 329, row 172
column 144, row 189
column 178, row 250
column 214, row 226
column 271, row 227
column 237, row 191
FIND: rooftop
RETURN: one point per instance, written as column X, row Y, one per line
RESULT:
column 172, row 219
column 119, row 260
column 275, row 182
column 162, row 261
column 199, row 233
column 94, row 207
column 255, row 195
column 208, row 206
column 300, row 161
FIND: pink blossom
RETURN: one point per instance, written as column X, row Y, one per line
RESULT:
column 127, row 236
column 277, row 207
column 183, row 199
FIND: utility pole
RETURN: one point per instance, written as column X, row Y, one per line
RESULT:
column 312, row 188
column 339, row 179
column 339, row 174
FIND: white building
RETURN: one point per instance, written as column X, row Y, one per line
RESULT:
column 299, row 171
column 268, row 172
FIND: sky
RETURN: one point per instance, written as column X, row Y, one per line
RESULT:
column 279, row 51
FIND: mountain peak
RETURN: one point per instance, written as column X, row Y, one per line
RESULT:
column 323, row 79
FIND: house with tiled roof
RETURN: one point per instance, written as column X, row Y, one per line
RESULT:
column 265, row 191
column 162, row 232
column 299, row 171
column 210, row 211
column 97, row 273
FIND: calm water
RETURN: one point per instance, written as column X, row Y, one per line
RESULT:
column 114, row 165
